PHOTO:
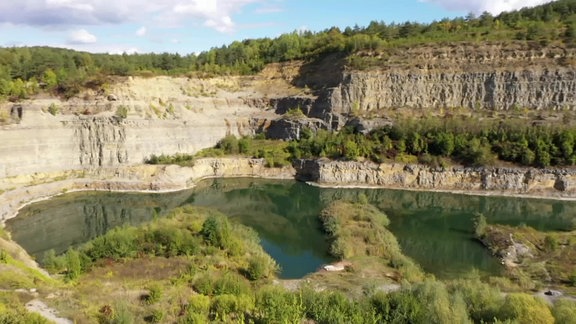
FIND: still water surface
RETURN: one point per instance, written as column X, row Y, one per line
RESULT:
column 435, row 229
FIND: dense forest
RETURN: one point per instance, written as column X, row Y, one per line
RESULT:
column 27, row 70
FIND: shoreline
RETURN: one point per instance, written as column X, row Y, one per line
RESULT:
column 172, row 178
column 486, row 193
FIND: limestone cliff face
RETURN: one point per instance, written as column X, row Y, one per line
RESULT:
column 495, row 77
column 504, row 180
column 143, row 117
column 101, row 141
column 495, row 90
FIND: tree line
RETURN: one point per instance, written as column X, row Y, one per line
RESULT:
column 27, row 70
column 444, row 141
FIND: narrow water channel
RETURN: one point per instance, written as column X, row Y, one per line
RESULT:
column 435, row 229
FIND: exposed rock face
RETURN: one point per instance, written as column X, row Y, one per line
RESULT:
column 291, row 129
column 101, row 141
column 495, row 90
column 471, row 76
column 163, row 116
column 507, row 180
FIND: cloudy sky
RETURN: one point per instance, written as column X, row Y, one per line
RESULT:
column 186, row 26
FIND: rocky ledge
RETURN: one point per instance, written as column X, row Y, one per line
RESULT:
column 17, row 192
column 554, row 183
column 550, row 183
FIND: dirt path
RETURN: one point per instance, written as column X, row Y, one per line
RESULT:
column 38, row 306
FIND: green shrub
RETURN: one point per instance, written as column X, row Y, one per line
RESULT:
column 229, row 144
column 524, row 308
column 483, row 301
column 122, row 314
column 550, row 243
column 564, row 311
column 118, row 243
column 480, row 225
column 230, row 308
column 199, row 304
column 157, row 316
column 53, row 109
column 53, row 263
column 276, row 305
column 122, row 112
column 154, row 294
column 73, row 264
column 216, row 231
column 205, row 284
column 231, row 283
column 260, row 267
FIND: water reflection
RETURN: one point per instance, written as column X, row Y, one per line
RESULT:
column 433, row 228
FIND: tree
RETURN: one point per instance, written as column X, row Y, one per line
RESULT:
column 216, row 231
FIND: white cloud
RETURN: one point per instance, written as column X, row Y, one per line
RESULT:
column 141, row 31
column 217, row 14
column 492, row 6
column 81, row 36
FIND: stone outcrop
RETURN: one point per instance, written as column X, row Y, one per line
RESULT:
column 292, row 128
column 523, row 181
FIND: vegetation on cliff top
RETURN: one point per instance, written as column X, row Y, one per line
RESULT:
column 434, row 141
column 25, row 71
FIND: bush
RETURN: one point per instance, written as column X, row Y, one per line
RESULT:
column 52, row 263
column 122, row 314
column 205, row 284
column 154, row 294
column 231, row 283
column 73, row 264
column 216, row 231
column 199, row 304
column 122, row 112
column 156, row 317
column 480, row 225
column 260, row 267
column 230, row 308
column 564, row 311
column 524, row 308
column 229, row 144
column 276, row 305
column 53, row 109
column 483, row 301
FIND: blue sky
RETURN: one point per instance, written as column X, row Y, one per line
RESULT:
column 187, row 26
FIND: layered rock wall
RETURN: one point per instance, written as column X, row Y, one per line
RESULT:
column 143, row 117
column 470, row 76
column 548, row 182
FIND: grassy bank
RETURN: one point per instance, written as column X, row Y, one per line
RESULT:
column 533, row 259
column 195, row 266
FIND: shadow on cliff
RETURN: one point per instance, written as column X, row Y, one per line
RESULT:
column 325, row 71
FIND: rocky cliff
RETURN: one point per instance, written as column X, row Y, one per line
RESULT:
column 470, row 76
column 139, row 117
column 522, row 181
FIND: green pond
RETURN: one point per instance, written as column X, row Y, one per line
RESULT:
column 435, row 229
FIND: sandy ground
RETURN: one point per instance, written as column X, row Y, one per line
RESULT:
column 37, row 306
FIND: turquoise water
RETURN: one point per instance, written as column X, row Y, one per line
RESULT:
column 435, row 229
